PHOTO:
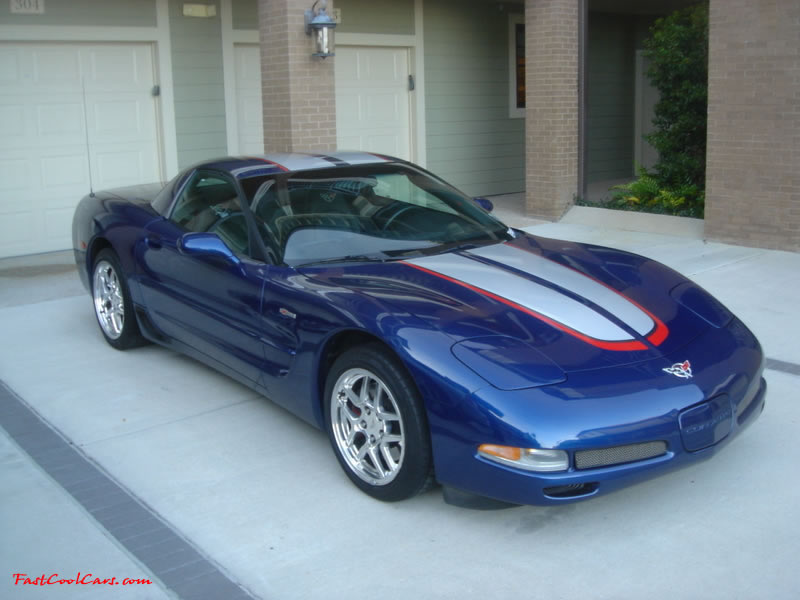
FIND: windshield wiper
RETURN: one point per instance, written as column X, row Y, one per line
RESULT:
column 462, row 245
column 348, row 258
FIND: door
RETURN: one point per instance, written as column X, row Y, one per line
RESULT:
column 72, row 116
column 250, row 128
column 210, row 302
column 372, row 100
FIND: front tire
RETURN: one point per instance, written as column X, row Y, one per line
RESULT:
column 113, row 306
column 377, row 424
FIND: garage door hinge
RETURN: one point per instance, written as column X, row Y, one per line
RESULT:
column 156, row 91
column 411, row 84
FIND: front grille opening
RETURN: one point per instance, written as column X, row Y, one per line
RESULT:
column 617, row 455
column 570, row 491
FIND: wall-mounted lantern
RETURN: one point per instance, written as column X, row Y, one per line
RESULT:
column 320, row 26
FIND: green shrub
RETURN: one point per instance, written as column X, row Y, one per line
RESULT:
column 677, row 48
column 646, row 194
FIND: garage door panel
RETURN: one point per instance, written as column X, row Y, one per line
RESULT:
column 110, row 69
column 12, row 120
column 15, row 175
column 59, row 88
column 15, row 228
column 59, row 119
column 67, row 169
column 385, row 108
column 56, row 66
column 54, row 220
column 10, row 65
column 250, row 121
column 121, row 167
column 117, row 119
column 372, row 100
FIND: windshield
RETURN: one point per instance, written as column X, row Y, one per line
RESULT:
column 370, row 212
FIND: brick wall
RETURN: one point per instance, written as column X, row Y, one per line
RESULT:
column 752, row 180
column 551, row 113
column 298, row 93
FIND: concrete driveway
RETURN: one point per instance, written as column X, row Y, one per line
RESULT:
column 218, row 493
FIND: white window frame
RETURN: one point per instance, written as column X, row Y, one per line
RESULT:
column 513, row 111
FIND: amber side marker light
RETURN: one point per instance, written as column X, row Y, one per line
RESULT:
column 542, row 460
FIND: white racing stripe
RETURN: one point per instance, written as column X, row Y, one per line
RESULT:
column 528, row 294
column 577, row 283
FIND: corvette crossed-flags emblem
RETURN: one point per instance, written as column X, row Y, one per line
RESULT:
column 682, row 370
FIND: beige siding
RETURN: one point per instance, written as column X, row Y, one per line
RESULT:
column 198, row 85
column 65, row 13
column 471, row 141
column 376, row 16
column 358, row 16
column 245, row 14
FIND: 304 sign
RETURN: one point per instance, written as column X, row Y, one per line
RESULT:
column 27, row 7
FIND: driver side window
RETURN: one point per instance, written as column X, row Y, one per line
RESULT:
column 209, row 203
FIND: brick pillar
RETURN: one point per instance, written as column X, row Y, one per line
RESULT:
column 297, row 90
column 753, row 154
column 551, row 106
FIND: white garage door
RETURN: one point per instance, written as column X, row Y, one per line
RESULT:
column 372, row 99
column 372, row 103
column 49, row 93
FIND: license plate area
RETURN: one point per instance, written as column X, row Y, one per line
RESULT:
column 706, row 424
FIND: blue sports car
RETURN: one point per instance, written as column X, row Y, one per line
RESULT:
column 429, row 340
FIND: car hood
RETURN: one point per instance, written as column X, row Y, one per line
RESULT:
column 580, row 306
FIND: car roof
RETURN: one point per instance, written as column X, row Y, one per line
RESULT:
column 243, row 167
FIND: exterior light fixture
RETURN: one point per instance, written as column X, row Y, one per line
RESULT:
column 320, row 26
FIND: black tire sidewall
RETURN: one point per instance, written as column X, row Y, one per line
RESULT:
column 415, row 473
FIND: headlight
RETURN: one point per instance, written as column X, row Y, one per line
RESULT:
column 508, row 363
column 542, row 460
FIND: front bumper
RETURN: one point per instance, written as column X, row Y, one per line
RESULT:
column 616, row 411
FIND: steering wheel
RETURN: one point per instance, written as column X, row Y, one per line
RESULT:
column 399, row 225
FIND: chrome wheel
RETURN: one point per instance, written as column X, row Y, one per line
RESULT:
column 367, row 426
column 109, row 303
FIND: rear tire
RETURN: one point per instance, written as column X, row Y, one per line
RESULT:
column 377, row 424
column 113, row 306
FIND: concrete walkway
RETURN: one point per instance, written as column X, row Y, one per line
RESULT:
column 255, row 505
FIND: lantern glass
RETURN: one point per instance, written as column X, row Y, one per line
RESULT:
column 323, row 42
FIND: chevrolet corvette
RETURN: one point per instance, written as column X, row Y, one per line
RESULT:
column 431, row 342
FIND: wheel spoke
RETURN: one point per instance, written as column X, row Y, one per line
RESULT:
column 362, row 452
column 387, row 416
column 351, row 436
column 376, row 461
column 352, row 396
column 364, row 397
column 387, row 456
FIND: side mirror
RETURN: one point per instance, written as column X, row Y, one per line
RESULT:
column 484, row 203
column 205, row 244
